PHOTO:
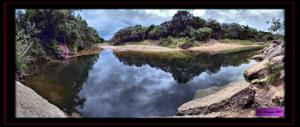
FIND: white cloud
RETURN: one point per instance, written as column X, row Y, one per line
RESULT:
column 199, row 12
column 109, row 21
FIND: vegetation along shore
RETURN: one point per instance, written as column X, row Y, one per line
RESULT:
column 57, row 35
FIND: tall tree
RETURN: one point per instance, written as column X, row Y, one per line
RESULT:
column 216, row 28
column 275, row 25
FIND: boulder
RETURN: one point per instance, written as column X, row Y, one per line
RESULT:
column 256, row 71
column 278, row 98
column 277, row 59
column 207, row 91
column 258, row 57
column 235, row 95
column 260, row 81
column 31, row 105
column 275, row 51
column 277, row 42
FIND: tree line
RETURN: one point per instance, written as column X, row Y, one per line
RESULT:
column 40, row 31
column 184, row 24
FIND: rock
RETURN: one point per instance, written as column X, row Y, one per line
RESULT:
column 255, row 81
column 208, row 91
column 277, row 59
column 278, row 98
column 235, row 95
column 30, row 104
column 258, row 57
column 277, row 42
column 278, row 94
column 256, row 71
column 275, row 51
column 260, row 81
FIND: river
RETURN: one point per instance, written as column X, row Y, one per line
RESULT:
column 134, row 84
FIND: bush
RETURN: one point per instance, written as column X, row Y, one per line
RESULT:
column 56, row 50
column 274, row 72
column 20, row 63
column 167, row 41
column 201, row 34
column 204, row 33
column 188, row 43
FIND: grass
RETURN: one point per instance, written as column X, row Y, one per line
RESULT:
column 236, row 41
column 245, row 48
column 144, row 42
column 274, row 71
column 175, row 42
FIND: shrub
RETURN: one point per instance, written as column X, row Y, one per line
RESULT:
column 188, row 43
column 201, row 34
column 55, row 50
column 167, row 41
column 274, row 72
column 20, row 63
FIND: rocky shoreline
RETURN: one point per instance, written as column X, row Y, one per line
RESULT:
column 263, row 87
column 31, row 105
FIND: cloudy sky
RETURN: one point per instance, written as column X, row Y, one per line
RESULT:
column 109, row 21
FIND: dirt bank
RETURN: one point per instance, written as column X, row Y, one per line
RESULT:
column 209, row 48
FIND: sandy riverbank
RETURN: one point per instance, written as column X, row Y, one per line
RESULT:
column 209, row 48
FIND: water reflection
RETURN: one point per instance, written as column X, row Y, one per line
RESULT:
column 187, row 65
column 115, row 89
column 131, row 84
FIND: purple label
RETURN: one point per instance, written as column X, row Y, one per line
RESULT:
column 269, row 112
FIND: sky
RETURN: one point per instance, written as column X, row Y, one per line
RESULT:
column 109, row 21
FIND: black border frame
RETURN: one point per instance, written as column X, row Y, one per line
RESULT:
column 9, row 55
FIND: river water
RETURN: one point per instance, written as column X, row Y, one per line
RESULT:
column 134, row 84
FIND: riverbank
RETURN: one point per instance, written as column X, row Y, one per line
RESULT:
column 211, row 48
column 31, row 105
column 264, row 88
column 96, row 50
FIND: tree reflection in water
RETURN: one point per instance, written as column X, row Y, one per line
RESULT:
column 135, row 84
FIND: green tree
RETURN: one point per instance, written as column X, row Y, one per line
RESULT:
column 204, row 33
column 157, row 32
column 131, row 33
column 275, row 25
column 216, row 29
column 179, row 22
column 55, row 26
column 197, row 22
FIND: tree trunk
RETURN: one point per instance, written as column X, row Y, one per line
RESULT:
column 26, row 49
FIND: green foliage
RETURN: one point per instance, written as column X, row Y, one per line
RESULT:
column 278, row 102
column 24, row 37
column 274, row 72
column 55, row 49
column 20, row 63
column 184, row 24
column 276, row 25
column 177, row 42
column 215, row 27
column 39, row 31
column 61, row 26
column 132, row 33
column 157, row 32
column 179, row 22
column 188, row 43
column 197, row 22
column 237, row 41
column 167, row 42
column 203, row 33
